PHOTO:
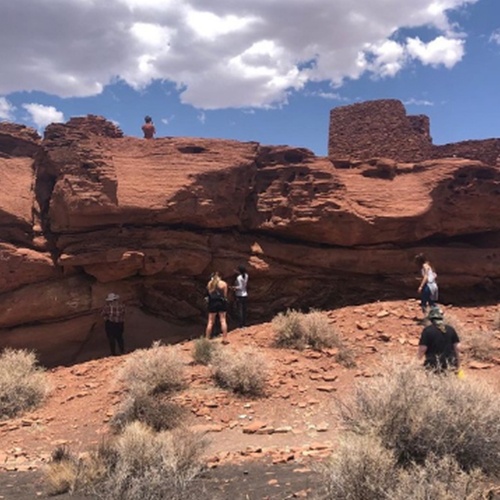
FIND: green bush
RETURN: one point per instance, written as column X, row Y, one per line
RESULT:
column 158, row 369
column 244, row 371
column 23, row 384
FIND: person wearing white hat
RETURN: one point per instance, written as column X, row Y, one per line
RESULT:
column 114, row 322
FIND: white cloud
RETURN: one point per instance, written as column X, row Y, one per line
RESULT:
column 6, row 110
column 441, row 50
column 417, row 102
column 202, row 118
column 224, row 53
column 42, row 115
column 495, row 36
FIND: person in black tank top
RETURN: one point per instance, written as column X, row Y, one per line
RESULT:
column 217, row 305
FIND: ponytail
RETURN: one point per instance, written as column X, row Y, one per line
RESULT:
column 214, row 281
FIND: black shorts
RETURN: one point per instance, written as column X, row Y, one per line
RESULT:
column 217, row 305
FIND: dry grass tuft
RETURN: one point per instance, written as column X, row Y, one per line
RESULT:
column 496, row 321
column 244, row 371
column 296, row 330
column 417, row 414
column 204, row 350
column 158, row 369
column 480, row 345
column 136, row 464
column 157, row 413
column 289, row 331
column 23, row 384
column 363, row 469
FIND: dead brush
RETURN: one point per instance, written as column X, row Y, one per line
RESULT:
column 296, row 330
column 417, row 414
column 23, row 384
column 158, row 369
column 244, row 371
column 154, row 411
column 289, row 331
column 203, row 351
column 153, row 465
column 362, row 468
column 480, row 345
column 138, row 463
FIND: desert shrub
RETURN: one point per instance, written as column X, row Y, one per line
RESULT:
column 23, row 384
column 345, row 356
column 363, row 469
column 318, row 331
column 153, row 411
column 416, row 413
column 496, row 321
column 61, row 472
column 480, row 344
column 204, row 350
column 158, row 369
column 138, row 463
column 244, row 371
column 296, row 330
column 153, row 466
column 439, row 478
column 289, row 330
column 451, row 320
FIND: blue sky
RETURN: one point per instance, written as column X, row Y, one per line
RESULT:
column 260, row 70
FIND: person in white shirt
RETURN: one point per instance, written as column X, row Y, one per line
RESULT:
column 241, row 295
column 428, row 288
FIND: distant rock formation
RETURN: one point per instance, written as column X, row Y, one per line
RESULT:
column 86, row 211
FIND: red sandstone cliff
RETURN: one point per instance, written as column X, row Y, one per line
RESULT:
column 87, row 211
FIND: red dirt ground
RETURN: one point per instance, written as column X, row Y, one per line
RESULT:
column 294, row 424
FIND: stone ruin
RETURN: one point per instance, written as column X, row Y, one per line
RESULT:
column 382, row 128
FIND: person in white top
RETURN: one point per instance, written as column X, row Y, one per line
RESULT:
column 241, row 293
column 428, row 288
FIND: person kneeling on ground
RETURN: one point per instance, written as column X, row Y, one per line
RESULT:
column 439, row 343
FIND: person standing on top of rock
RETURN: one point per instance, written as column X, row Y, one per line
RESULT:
column 114, row 321
column 428, row 288
column 148, row 128
column 217, row 305
column 241, row 294
column 439, row 343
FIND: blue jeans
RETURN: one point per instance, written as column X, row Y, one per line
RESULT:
column 426, row 299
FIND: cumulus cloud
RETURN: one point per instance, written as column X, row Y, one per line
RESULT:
column 6, row 110
column 223, row 53
column 42, row 115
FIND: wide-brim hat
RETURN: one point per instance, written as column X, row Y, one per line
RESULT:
column 435, row 313
column 112, row 296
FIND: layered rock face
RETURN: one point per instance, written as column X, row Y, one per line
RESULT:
column 87, row 211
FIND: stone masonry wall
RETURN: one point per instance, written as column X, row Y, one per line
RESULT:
column 383, row 129
column 378, row 129
column 487, row 151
